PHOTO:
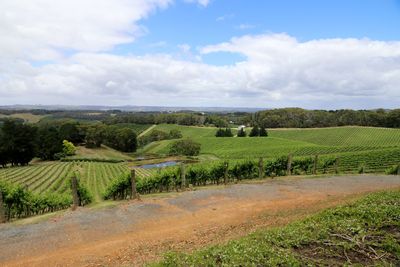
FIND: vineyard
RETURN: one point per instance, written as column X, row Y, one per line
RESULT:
column 280, row 142
column 53, row 177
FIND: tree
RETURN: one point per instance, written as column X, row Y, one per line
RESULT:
column 175, row 134
column 255, row 131
column 263, row 131
column 125, row 140
column 71, row 131
column 68, row 148
column 228, row 132
column 185, row 147
column 49, row 142
column 220, row 132
column 95, row 136
column 241, row 132
column 17, row 143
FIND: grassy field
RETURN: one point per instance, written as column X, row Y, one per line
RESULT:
column 138, row 128
column 53, row 176
column 300, row 142
column 29, row 117
column 103, row 152
column 365, row 233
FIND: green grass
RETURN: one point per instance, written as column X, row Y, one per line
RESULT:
column 103, row 152
column 53, row 176
column 376, row 147
column 190, row 131
column 363, row 233
column 138, row 128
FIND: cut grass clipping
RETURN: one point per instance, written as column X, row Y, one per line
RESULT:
column 366, row 233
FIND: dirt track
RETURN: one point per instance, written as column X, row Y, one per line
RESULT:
column 139, row 231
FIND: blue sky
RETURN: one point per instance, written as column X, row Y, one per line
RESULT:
column 197, row 26
column 244, row 53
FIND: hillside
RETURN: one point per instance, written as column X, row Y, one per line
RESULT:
column 281, row 142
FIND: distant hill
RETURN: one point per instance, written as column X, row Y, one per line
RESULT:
column 131, row 108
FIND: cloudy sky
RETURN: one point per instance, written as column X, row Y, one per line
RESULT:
column 237, row 53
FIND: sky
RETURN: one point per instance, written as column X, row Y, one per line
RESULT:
column 330, row 54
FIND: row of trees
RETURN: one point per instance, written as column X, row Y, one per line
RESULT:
column 301, row 118
column 21, row 142
column 120, row 138
column 254, row 132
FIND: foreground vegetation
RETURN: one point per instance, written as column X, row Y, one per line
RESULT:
column 365, row 233
column 53, row 177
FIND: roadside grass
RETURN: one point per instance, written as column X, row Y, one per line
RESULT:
column 366, row 232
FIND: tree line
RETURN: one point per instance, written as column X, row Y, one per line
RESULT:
column 21, row 142
column 301, row 118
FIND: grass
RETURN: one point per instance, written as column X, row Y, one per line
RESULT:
column 138, row 128
column 103, row 152
column 29, row 117
column 365, row 233
column 378, row 148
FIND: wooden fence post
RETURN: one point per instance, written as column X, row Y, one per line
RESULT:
column 133, row 184
column 226, row 168
column 289, row 165
column 315, row 164
column 260, row 168
column 337, row 162
column 75, row 196
column 2, row 210
column 183, row 176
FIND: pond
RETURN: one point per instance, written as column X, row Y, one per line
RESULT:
column 159, row 165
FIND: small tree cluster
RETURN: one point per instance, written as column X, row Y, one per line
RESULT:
column 227, row 132
column 258, row 131
column 241, row 133
column 185, row 147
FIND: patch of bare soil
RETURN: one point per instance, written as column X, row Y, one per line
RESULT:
column 141, row 231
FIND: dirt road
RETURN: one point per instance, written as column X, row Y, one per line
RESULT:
column 140, row 231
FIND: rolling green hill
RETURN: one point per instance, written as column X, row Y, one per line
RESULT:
column 301, row 142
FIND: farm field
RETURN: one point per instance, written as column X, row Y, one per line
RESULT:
column 362, row 143
column 53, row 176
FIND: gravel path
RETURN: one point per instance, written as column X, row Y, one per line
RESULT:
column 137, row 231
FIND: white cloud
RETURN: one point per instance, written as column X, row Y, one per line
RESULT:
column 278, row 70
column 245, row 26
column 203, row 3
column 225, row 17
column 47, row 29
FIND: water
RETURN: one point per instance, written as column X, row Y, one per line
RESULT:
column 159, row 165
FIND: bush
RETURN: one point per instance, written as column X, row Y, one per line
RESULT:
column 186, row 147
column 227, row 132
column 241, row 133
column 68, row 148
column 393, row 170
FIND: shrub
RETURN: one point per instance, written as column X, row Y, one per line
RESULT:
column 393, row 170
column 186, row 147
column 68, row 148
